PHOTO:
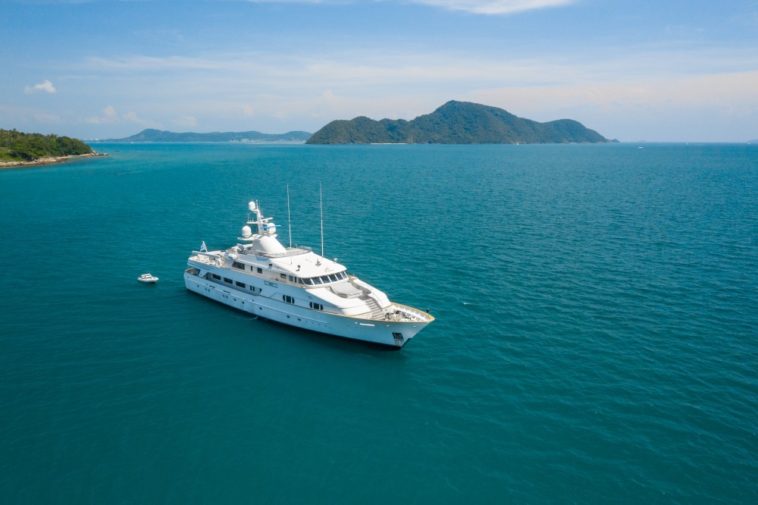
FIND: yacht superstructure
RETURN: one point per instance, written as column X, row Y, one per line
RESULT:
column 296, row 286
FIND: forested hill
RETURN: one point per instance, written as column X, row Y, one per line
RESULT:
column 456, row 123
column 18, row 146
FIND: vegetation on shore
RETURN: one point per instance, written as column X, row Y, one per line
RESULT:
column 456, row 123
column 27, row 147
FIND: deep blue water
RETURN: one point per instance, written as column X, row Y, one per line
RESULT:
column 596, row 337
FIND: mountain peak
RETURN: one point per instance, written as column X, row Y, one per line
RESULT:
column 456, row 104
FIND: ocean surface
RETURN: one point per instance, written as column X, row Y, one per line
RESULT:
column 596, row 337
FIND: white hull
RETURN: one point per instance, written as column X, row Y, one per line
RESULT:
column 269, row 306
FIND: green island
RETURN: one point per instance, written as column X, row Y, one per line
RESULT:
column 456, row 123
column 18, row 148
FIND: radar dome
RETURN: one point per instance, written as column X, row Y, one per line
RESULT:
column 252, row 206
column 271, row 229
column 246, row 231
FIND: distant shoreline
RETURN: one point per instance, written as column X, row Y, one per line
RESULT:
column 48, row 160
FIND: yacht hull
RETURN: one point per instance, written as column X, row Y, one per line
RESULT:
column 389, row 333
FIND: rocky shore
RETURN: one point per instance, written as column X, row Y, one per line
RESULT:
column 48, row 160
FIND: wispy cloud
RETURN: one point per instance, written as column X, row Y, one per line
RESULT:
column 488, row 7
column 276, row 91
column 494, row 7
column 109, row 115
column 692, row 108
column 243, row 73
column 43, row 87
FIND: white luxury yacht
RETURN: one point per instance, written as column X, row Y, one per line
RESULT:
column 295, row 286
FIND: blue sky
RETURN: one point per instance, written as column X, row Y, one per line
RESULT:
column 633, row 70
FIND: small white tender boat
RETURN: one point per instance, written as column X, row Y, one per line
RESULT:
column 147, row 278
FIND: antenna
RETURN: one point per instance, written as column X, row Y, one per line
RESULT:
column 289, row 219
column 321, row 208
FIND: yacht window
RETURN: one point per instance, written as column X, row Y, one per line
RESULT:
column 316, row 306
column 317, row 280
column 308, row 281
column 291, row 279
column 333, row 278
column 226, row 279
column 283, row 276
column 216, row 277
column 260, row 270
column 288, row 299
column 325, row 279
column 240, row 284
column 299, row 280
column 238, row 265
column 343, row 275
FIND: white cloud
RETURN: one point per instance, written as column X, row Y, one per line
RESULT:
column 43, row 87
column 109, row 115
column 672, row 108
column 494, row 6
column 132, row 117
column 625, row 97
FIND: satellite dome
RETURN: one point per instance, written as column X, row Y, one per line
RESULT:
column 246, row 231
column 270, row 245
column 271, row 229
column 252, row 206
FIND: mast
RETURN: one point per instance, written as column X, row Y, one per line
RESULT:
column 289, row 218
column 321, row 209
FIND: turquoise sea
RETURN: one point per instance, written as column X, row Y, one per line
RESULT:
column 596, row 337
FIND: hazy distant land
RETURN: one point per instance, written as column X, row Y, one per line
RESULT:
column 152, row 135
column 456, row 123
column 452, row 123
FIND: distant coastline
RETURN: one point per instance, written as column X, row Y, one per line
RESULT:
column 248, row 137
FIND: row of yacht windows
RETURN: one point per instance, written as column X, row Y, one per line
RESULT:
column 324, row 279
column 314, row 281
column 239, row 284
column 313, row 305
column 285, row 298
column 310, row 281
